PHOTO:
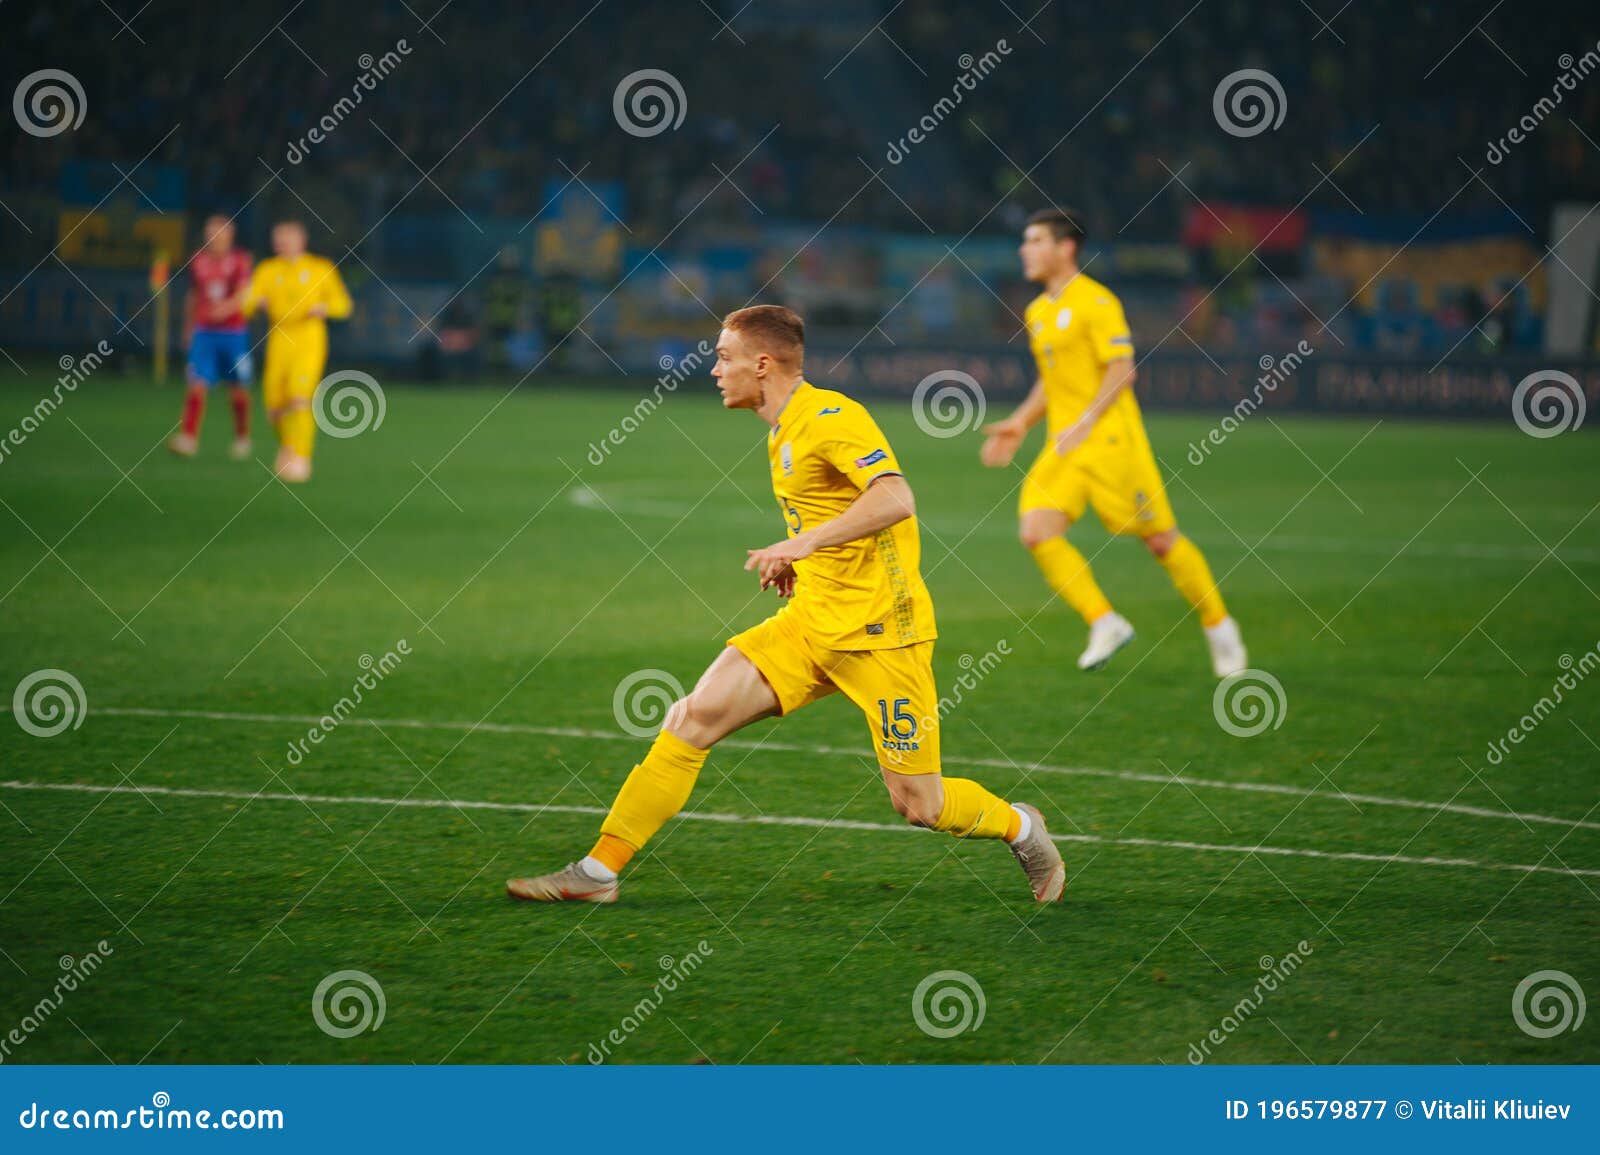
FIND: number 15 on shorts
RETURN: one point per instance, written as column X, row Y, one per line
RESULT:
column 898, row 723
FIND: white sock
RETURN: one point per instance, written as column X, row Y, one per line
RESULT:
column 596, row 869
column 1027, row 825
column 1226, row 628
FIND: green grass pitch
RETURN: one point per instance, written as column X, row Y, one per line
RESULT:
column 1396, row 577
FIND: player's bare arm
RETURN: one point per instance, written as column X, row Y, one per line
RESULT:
column 1002, row 439
column 1119, row 375
column 886, row 501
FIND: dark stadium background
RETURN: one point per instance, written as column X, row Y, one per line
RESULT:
column 495, row 220
column 542, row 211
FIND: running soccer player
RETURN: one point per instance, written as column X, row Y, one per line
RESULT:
column 300, row 293
column 1096, row 452
column 214, row 330
column 858, row 620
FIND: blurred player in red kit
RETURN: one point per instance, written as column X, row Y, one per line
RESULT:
column 214, row 330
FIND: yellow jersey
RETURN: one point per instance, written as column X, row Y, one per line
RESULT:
column 866, row 594
column 1074, row 336
column 289, row 289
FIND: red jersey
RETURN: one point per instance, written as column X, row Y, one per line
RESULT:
column 214, row 280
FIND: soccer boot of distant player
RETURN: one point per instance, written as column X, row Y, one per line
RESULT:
column 183, row 444
column 240, row 449
column 569, row 884
column 1228, row 655
column 1109, row 633
column 1039, row 858
column 292, row 467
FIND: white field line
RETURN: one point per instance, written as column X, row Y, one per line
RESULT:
column 589, row 497
column 1013, row 765
column 781, row 820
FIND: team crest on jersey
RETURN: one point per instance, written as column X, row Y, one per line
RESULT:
column 786, row 455
column 1063, row 318
column 872, row 458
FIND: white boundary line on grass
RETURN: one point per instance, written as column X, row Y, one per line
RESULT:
column 596, row 497
column 781, row 820
column 853, row 751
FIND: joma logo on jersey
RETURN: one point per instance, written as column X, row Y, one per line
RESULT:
column 786, row 455
column 828, row 410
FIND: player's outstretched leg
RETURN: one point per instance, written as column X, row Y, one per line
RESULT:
column 1187, row 568
column 186, row 441
column 730, row 694
column 1067, row 572
column 964, row 808
column 297, row 428
column 240, row 449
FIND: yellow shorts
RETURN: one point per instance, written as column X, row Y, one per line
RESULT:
column 292, row 372
column 1121, row 481
column 894, row 688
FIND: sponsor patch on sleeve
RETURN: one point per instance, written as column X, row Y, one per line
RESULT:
column 872, row 458
column 1122, row 341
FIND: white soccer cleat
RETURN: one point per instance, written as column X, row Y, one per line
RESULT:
column 1039, row 859
column 292, row 467
column 183, row 444
column 569, row 884
column 240, row 449
column 1228, row 655
column 1109, row 633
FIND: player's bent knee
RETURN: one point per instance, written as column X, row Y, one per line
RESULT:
column 1039, row 526
column 919, row 799
column 1160, row 544
column 699, row 718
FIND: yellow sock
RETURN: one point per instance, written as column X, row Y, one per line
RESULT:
column 656, row 789
column 1187, row 567
column 296, row 430
column 1068, row 573
column 970, row 811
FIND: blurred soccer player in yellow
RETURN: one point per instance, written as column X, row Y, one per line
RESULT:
column 858, row 620
column 300, row 292
column 1095, row 451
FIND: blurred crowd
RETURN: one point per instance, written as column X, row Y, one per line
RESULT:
column 1396, row 102
column 787, row 111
